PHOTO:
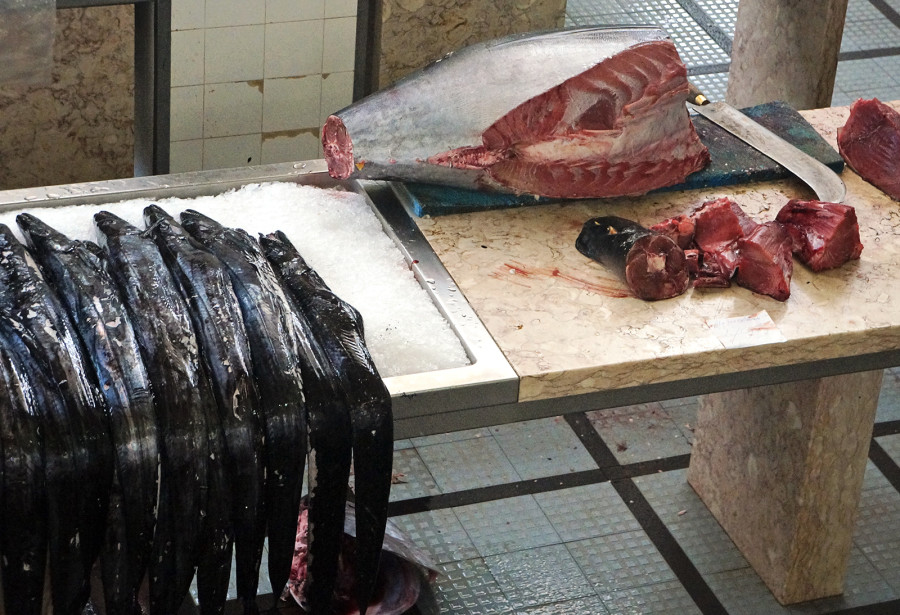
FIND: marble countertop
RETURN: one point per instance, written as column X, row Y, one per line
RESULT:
column 568, row 326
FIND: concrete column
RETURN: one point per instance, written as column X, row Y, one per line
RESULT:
column 781, row 468
column 786, row 50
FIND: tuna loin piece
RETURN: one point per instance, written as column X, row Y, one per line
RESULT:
column 592, row 112
column 824, row 235
column 651, row 264
column 764, row 263
column 870, row 143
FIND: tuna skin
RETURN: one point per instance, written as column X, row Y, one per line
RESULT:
column 182, row 397
column 824, row 235
column 870, row 143
column 339, row 329
column 588, row 112
column 84, row 286
column 79, row 465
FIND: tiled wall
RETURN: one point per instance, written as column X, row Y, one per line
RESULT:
column 254, row 80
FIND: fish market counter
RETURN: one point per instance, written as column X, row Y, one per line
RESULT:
column 789, row 388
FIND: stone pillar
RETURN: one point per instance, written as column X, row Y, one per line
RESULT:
column 781, row 468
column 785, row 50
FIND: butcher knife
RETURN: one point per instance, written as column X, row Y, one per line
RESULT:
column 824, row 182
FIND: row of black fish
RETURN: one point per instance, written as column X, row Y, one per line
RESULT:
column 158, row 400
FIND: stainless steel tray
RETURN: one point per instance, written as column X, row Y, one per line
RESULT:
column 488, row 380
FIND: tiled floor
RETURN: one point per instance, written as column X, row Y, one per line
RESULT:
column 703, row 30
column 591, row 514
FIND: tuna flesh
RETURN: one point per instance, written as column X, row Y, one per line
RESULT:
column 588, row 112
column 824, row 235
column 764, row 263
column 870, row 143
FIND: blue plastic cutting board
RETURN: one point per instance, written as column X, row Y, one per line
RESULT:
column 731, row 162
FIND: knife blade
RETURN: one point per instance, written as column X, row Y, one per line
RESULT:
column 823, row 181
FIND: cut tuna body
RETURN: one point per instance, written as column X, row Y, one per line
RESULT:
column 870, row 143
column 591, row 112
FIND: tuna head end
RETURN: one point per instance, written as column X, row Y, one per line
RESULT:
column 338, row 148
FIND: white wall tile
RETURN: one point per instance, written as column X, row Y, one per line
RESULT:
column 186, row 113
column 337, row 93
column 290, row 146
column 291, row 103
column 234, row 13
column 230, row 152
column 294, row 48
column 232, row 109
column 340, row 8
column 295, row 10
column 185, row 156
column 234, row 53
column 188, row 14
column 339, row 44
column 187, row 49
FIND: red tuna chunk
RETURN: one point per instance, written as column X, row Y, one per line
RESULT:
column 764, row 263
column 680, row 229
column 824, row 235
column 870, row 143
column 718, row 224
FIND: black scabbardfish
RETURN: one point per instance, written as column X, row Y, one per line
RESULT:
column 181, row 393
column 24, row 397
column 75, row 270
column 274, row 350
column 339, row 329
column 329, row 437
column 216, row 313
column 78, row 486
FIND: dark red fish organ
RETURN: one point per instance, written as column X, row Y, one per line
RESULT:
column 617, row 129
column 870, row 143
column 652, row 264
column 824, row 235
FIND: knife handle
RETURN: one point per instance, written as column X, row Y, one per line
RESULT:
column 696, row 96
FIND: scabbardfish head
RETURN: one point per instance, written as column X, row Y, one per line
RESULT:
column 112, row 225
column 279, row 250
column 154, row 214
column 200, row 226
column 41, row 236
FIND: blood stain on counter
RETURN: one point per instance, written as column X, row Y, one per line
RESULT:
column 512, row 272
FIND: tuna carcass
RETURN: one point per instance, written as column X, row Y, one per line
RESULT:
column 578, row 113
